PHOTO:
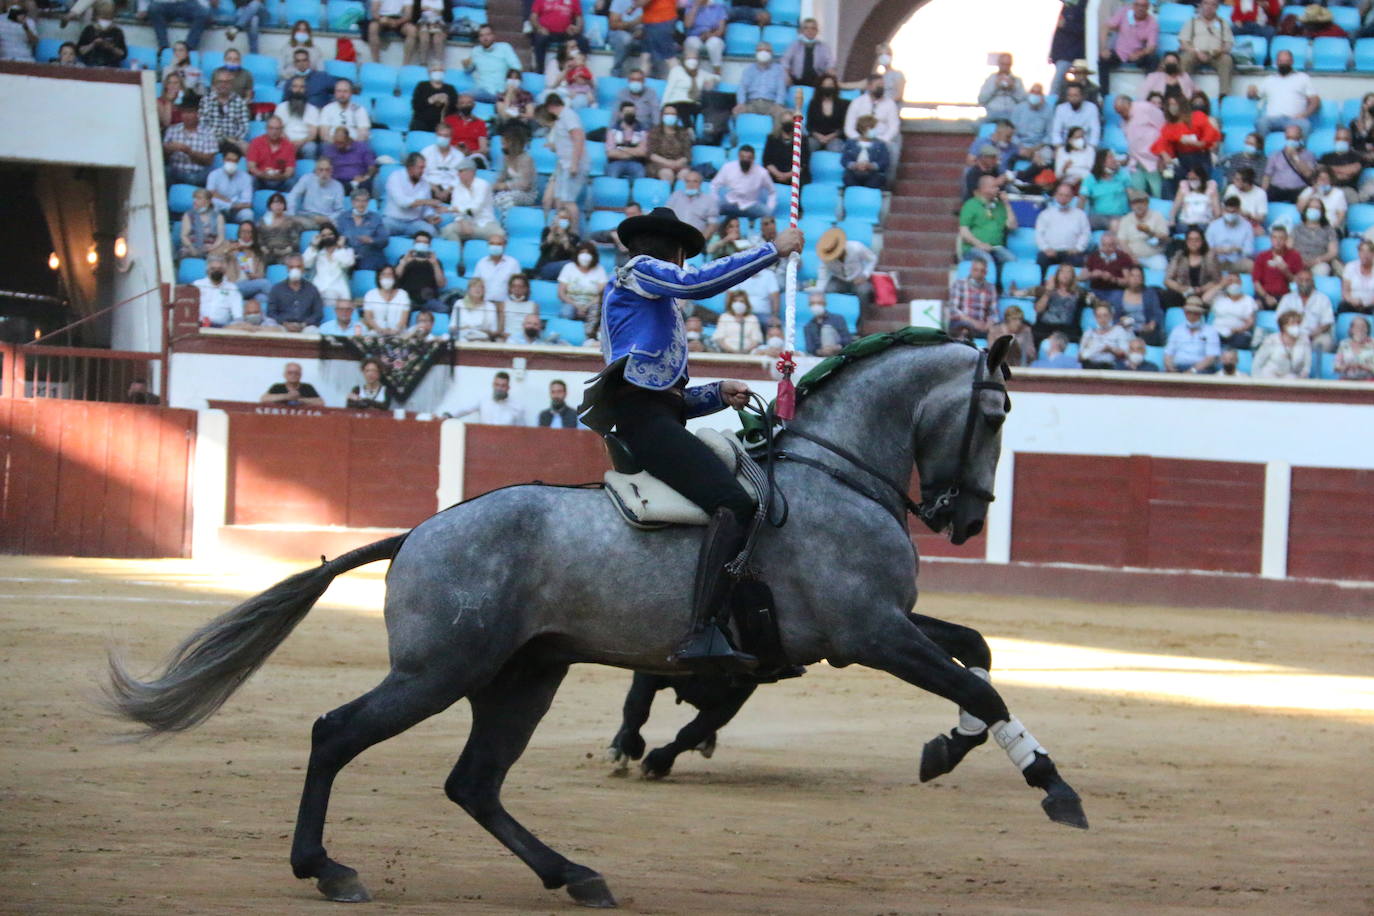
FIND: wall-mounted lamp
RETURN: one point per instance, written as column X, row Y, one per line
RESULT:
column 54, row 262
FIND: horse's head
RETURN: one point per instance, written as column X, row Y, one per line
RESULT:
column 958, row 439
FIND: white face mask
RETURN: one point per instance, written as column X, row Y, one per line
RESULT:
column 670, row 120
column 496, row 251
column 884, row 60
column 563, row 222
column 1235, row 289
column 436, row 76
column 818, row 310
column 295, row 274
column 1232, row 218
column 585, row 259
column 386, row 282
column 1078, row 143
column 764, row 57
column 104, row 23
column 1035, row 98
column 231, row 167
column 301, row 37
column 690, row 63
column 443, row 142
column 775, row 343
column 1135, row 357
column 739, row 308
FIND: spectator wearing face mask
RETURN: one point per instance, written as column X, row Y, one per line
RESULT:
column 1250, row 156
column 1074, row 160
column 1314, row 306
column 345, row 322
column 1062, row 232
column 316, row 197
column 101, row 43
column 1345, row 166
column 627, row 145
column 1325, row 193
column 221, row 303
column 432, row 101
column 825, row 334
column 386, row 307
column 865, row 160
column 301, row 39
column 670, row 146
column 777, row 153
column 495, row 409
column 642, row 96
column 295, row 303
column 1288, row 98
column 698, row 341
column 1254, row 203
column 808, row 58
column 532, row 333
column 763, row 85
column 688, row 82
column 514, row 109
column 1286, row 354
column 442, row 159
column 1138, row 307
column 420, row 274
column 744, row 187
column 202, row 227
column 514, row 185
column 1073, row 112
column 1289, row 169
column 473, row 204
column 1169, row 80
column 737, row 329
column 1233, row 315
column 692, row 206
column 365, row 231
column 300, row 120
column 331, row 260
column 557, row 244
column 1002, row 91
column 231, row 189
column 580, row 284
column 1316, row 240
column 497, row 268
column 1143, row 232
column 876, row 103
column 773, row 341
column 1106, row 344
column 1030, row 120
column 1231, row 238
column 825, row 115
column 1193, row 346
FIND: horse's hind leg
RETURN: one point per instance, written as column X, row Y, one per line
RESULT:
column 703, row 728
column 628, row 743
column 943, row 753
column 390, row 708
column 504, row 716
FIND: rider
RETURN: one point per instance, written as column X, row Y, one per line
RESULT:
column 643, row 394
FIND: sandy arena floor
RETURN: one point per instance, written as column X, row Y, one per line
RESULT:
column 1223, row 758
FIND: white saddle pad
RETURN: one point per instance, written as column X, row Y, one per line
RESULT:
column 647, row 502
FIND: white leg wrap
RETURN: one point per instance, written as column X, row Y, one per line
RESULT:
column 1020, row 745
column 970, row 724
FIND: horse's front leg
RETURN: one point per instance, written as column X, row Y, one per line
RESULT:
column 967, row 646
column 894, row 646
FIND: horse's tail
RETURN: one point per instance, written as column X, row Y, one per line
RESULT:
column 216, row 659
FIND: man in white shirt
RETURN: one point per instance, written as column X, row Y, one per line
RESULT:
column 846, row 267
column 1073, row 112
column 1254, row 203
column 471, row 200
column 693, row 207
column 300, row 120
column 1318, row 315
column 1288, row 98
column 495, row 409
column 441, row 162
column 496, row 269
column 231, row 189
column 343, row 324
column 1142, row 232
column 877, row 103
column 221, row 303
column 1062, row 232
column 745, row 187
column 410, row 205
column 1357, row 281
column 346, row 113
column 1104, row 346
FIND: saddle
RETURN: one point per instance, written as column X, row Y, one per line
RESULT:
column 648, row 503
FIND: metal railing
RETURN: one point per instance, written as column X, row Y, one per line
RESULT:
column 75, row 373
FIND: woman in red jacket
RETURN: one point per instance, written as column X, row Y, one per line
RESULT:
column 1185, row 142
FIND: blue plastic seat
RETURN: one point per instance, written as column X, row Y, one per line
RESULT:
column 740, row 39
column 524, row 222
column 1342, row 328
column 344, row 15
column 1257, row 45
column 1347, row 17
column 1114, row 138
column 610, row 193
column 844, row 305
column 825, row 166
column 260, row 199
column 856, row 230
column 753, row 129
column 459, row 80
column 189, row 270
column 362, row 282
column 146, row 58
column 1020, row 274
column 309, row 10
column 1359, row 218
column 863, row 203
column 342, row 69
column 391, row 111
column 1021, row 242
column 1364, row 55
column 597, row 28
column 1350, row 249
column 1273, row 142
column 1329, row 285
column 210, row 61
column 388, row 143
column 525, row 251
column 397, row 246
column 1322, row 141
column 780, row 37
column 785, row 12
column 545, row 159
column 1330, row 54
column 263, row 68
column 276, row 273
column 594, row 119
column 1267, row 320
column 1238, row 113
column 810, row 265
column 179, row 198
column 383, row 173
column 713, row 156
column 603, row 221
column 607, row 88
column 1173, row 16
column 417, row 140
column 544, row 293
column 570, row 330
column 46, row 50
column 378, row 79
column 813, row 226
column 1300, row 48
column 1324, row 366
column 1173, row 318
column 821, row 200
column 533, row 83
column 474, row 250
column 1154, row 278
column 1280, row 212
column 650, row 193
column 1161, row 206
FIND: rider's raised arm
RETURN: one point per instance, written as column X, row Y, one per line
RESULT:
column 652, row 277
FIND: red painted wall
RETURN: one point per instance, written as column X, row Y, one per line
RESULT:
column 498, row 456
column 1329, row 524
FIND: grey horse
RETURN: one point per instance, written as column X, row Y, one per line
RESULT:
column 480, row 604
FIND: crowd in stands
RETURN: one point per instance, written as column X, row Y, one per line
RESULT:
column 1169, row 230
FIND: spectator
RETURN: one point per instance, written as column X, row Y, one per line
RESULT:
column 1357, row 281
column 1254, row 203
column 371, row 394
column 1074, row 160
column 473, row 203
column 1288, row 98
column 1106, row 344
column 1002, row 91
column 1105, row 269
column 763, row 85
column 866, row 161
column 300, row 120
column 386, row 307
column 431, row 101
column 295, row 303
column 686, row 88
column 772, row 339
column 245, row 264
column 420, row 275
column 777, row 155
column 1345, row 165
column 1207, row 41
column 1362, row 130
column 301, row 39
column 1103, row 191
column 568, row 140
column 824, row 334
column 475, row 319
column 558, row 415
column 1275, row 269
column 1137, row 306
column 355, row 165
column 574, row 80
column 316, row 197
column 1318, row 314
column 469, row 132
column 1137, row 39
column 514, row 108
column 894, row 81
column 223, row 114
column 319, row 84
column 557, row 244
column 1316, row 241
column 1186, row 141
column 495, row 409
column 101, row 43
column 497, row 268
column 986, row 164
column 392, row 18
column 1143, row 233
column 670, row 146
column 433, row 19
column 188, row 149
column 1233, row 315
column 1080, row 74
column 293, row 392
column 704, row 24
column 410, row 203
column 1057, row 354
column 490, row 61
column 1250, row 156
column 744, row 189
column 194, row 12
column 1062, row 233
column 1193, row 346
column 343, row 324
column 1286, row 354
column 1143, row 121
column 1289, row 169
column 1013, row 324
column 202, row 227
column 972, row 306
column 698, row 341
column 1197, row 203
column 846, row 266
column 342, row 111
column 515, row 185
column 1231, row 239
column 875, row 102
column 808, row 58
column 825, row 116
column 1355, row 356
column 1000, row 140
column 1169, row 80
column 272, row 158
column 580, row 285
column 625, row 34
column 1075, row 112
column 693, row 207
column 1038, row 177
column 441, row 163
column 1030, row 121
column 555, row 21
column 1193, row 271
column 659, row 30
column 1068, row 42
column 221, row 303
column 279, row 233
column 240, row 80
column 642, row 97
column 169, row 104
column 1059, row 304
column 1137, row 352
column 763, row 291
column 532, row 333
column 627, row 145
column 365, row 231
column 738, row 329
column 1331, row 197
column 1256, row 17
column 231, row 189
column 728, row 241
column 182, row 65
column 329, row 256
column 984, row 221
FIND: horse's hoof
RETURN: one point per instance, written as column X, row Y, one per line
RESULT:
column 1065, row 809
column 707, row 748
column 656, row 765
column 944, row 752
column 341, row 885
column 592, row 891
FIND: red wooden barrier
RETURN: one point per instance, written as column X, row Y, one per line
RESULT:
column 1329, row 524
column 497, row 456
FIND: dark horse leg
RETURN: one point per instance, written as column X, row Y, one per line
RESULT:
column 504, row 716
column 388, row 709
column 908, row 653
column 711, row 719
column 967, row 646
column 628, row 743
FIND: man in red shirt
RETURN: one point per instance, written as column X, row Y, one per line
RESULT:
column 469, row 133
column 1275, row 269
column 555, row 21
column 272, row 158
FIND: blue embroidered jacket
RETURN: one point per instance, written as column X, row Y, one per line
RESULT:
column 642, row 325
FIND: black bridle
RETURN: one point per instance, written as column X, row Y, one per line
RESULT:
column 936, row 497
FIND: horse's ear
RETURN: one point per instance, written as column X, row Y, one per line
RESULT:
column 997, row 354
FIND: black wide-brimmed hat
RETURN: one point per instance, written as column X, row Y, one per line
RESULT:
column 662, row 221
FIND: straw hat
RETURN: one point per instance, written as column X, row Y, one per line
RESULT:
column 1316, row 14
column 831, row 244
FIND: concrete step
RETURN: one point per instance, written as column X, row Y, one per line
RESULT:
column 918, row 219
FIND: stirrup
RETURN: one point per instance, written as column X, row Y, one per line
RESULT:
column 708, row 651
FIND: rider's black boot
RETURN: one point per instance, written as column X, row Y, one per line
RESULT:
column 707, row 649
